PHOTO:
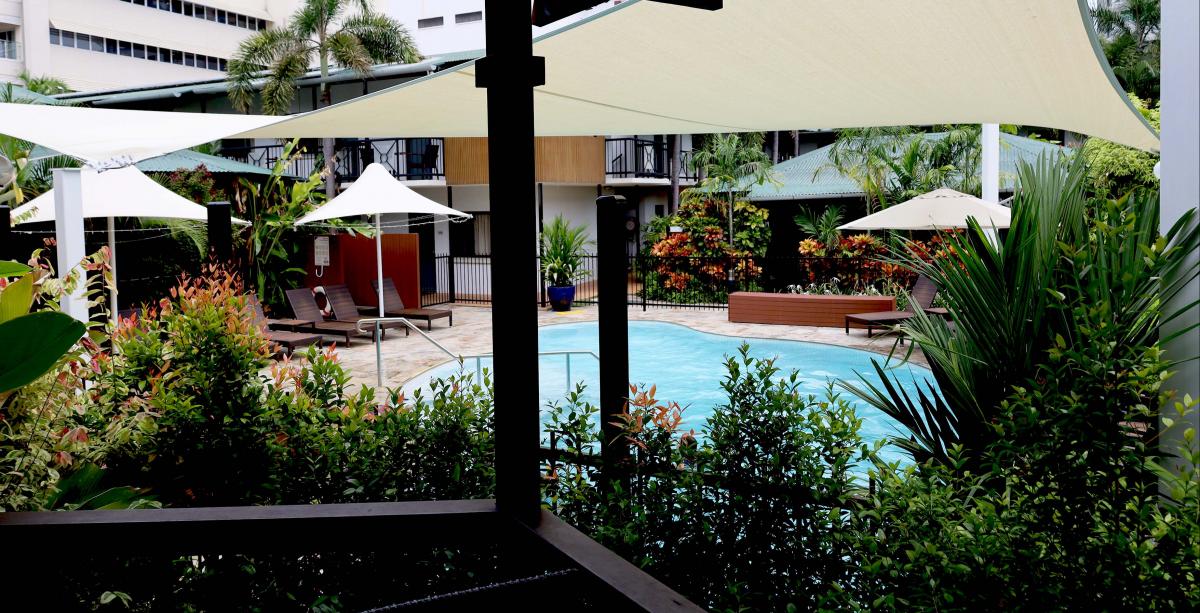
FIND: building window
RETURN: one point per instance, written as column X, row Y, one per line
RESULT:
column 429, row 22
column 87, row 42
column 468, row 17
column 8, row 45
column 202, row 11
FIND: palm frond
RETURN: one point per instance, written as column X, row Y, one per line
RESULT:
column 384, row 39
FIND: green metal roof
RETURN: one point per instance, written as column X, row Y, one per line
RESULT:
column 20, row 94
column 181, row 159
column 798, row 182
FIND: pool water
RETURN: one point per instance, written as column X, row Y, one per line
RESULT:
column 687, row 367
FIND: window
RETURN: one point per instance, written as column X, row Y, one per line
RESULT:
column 177, row 57
column 223, row 65
column 189, row 59
column 8, row 45
column 210, row 13
column 188, row 9
column 468, row 17
column 110, row 46
column 241, row 21
column 152, row 53
column 68, row 39
column 98, row 44
column 125, row 48
column 220, row 16
column 55, row 38
column 430, row 22
column 139, row 51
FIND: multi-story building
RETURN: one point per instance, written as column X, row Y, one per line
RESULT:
column 102, row 44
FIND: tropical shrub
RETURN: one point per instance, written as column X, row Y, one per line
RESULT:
column 1115, row 170
column 690, row 265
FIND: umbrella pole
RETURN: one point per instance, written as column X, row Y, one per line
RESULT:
column 379, row 297
column 112, row 264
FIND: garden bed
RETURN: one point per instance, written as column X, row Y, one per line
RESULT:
column 827, row 311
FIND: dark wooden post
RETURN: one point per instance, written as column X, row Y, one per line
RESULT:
column 614, row 329
column 220, row 232
column 6, row 237
column 509, row 72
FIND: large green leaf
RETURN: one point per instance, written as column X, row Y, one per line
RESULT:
column 16, row 298
column 32, row 344
column 12, row 269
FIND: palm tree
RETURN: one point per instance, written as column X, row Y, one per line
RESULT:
column 864, row 155
column 730, row 163
column 1131, row 28
column 322, row 32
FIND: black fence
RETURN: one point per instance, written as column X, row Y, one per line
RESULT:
column 674, row 282
column 411, row 159
column 641, row 158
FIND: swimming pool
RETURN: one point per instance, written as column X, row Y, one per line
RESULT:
column 688, row 366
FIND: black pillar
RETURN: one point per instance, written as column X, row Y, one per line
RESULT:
column 509, row 72
column 541, row 204
column 614, row 329
column 7, row 246
column 220, row 232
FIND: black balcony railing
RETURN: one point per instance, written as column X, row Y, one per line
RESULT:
column 643, row 158
column 411, row 159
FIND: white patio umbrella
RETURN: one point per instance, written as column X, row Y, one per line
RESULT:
column 377, row 192
column 941, row 209
column 122, row 192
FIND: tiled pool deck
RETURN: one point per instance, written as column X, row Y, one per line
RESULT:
column 405, row 358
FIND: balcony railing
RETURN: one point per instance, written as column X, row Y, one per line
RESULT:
column 10, row 50
column 641, row 158
column 410, row 159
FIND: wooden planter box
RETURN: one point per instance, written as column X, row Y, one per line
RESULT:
column 802, row 309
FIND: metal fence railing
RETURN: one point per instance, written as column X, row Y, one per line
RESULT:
column 675, row 282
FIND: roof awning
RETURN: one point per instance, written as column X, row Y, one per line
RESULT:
column 651, row 68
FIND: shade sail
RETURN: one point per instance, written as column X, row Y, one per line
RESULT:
column 940, row 209
column 102, row 134
column 181, row 160
column 124, row 192
column 377, row 192
column 781, row 65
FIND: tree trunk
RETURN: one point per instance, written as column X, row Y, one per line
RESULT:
column 673, row 168
column 775, row 147
column 327, row 143
column 795, row 143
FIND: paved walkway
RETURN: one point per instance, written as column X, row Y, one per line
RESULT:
column 405, row 358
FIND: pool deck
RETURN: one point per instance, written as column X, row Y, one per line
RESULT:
column 405, row 358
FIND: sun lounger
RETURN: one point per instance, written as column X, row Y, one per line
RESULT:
column 344, row 308
column 924, row 291
column 288, row 340
column 393, row 306
column 305, row 308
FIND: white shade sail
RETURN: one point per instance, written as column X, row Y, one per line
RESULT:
column 377, row 192
column 765, row 65
column 124, row 192
column 97, row 135
column 781, row 65
column 940, row 209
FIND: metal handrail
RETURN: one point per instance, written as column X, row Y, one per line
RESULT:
column 567, row 353
column 376, row 321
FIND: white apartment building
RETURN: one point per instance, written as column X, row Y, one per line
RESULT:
column 105, row 44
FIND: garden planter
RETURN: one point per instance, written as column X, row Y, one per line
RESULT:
column 561, row 297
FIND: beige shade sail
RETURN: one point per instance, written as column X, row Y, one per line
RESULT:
column 652, row 68
column 941, row 209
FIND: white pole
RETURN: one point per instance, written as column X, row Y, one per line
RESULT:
column 991, row 162
column 1181, row 190
column 379, row 296
column 990, row 166
column 68, row 231
column 112, row 263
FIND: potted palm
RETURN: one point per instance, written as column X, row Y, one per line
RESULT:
column 562, row 260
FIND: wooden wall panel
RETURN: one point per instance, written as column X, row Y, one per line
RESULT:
column 352, row 262
column 466, row 161
column 570, row 159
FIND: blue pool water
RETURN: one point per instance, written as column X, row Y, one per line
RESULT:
column 688, row 366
